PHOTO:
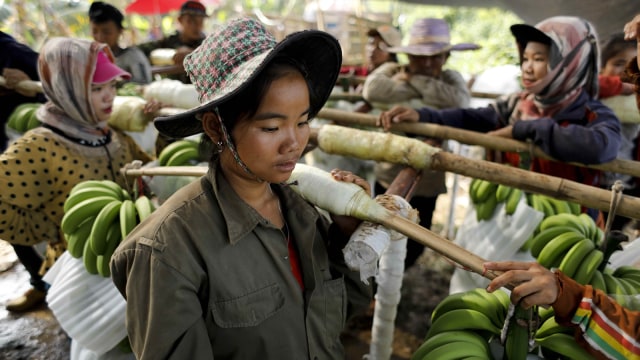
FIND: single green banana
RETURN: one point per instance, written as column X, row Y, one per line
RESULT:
column 589, row 266
column 454, row 350
column 461, row 319
column 486, row 189
column 108, row 184
column 88, row 193
column 547, row 207
column 182, row 157
column 564, row 219
column 114, row 236
column 627, row 271
column 128, row 217
column 512, row 201
column 144, row 207
column 77, row 239
column 589, row 225
column 552, row 253
column 545, row 314
column 90, row 259
column 564, row 345
column 575, row 256
column 171, row 149
column 485, row 303
column 534, row 202
column 599, row 237
column 104, row 219
column 541, row 239
column 576, row 209
column 516, row 346
column 473, row 190
column 485, row 209
column 503, row 192
column 549, row 327
column 82, row 211
column 629, row 286
column 614, row 287
column 560, row 206
column 446, row 337
column 597, row 281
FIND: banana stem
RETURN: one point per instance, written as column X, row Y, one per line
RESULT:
column 473, row 138
column 380, row 146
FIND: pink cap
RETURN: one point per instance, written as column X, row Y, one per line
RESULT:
column 107, row 71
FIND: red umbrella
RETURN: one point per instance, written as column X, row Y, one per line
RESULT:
column 153, row 7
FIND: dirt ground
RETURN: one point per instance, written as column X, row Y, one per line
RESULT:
column 37, row 335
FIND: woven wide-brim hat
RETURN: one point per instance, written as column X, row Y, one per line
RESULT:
column 230, row 59
column 429, row 37
column 390, row 35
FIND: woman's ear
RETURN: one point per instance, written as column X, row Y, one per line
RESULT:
column 211, row 126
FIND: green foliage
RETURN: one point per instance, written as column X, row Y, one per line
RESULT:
column 487, row 27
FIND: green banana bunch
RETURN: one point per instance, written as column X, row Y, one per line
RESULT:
column 23, row 118
column 551, row 206
column 179, row 153
column 455, row 344
column 98, row 215
column 554, row 251
column 458, row 319
column 494, row 305
column 483, row 195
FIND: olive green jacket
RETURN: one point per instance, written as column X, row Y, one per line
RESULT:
column 207, row 277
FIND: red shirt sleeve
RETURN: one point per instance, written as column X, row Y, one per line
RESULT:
column 609, row 86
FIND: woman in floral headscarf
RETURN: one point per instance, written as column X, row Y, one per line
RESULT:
column 73, row 144
column 557, row 110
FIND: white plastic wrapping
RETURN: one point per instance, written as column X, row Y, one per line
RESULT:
column 88, row 307
column 496, row 239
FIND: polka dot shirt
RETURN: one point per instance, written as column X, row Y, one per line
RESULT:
column 37, row 172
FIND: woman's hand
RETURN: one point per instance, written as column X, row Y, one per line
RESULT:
column 152, row 106
column 348, row 224
column 396, row 115
column 13, row 77
column 533, row 283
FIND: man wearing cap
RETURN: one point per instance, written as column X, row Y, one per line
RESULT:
column 191, row 19
column 422, row 82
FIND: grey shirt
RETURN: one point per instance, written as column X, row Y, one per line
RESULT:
column 207, row 277
column 136, row 63
column 386, row 87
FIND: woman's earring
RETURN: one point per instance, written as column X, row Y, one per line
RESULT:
column 219, row 146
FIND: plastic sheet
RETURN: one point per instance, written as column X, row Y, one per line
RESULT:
column 498, row 238
column 88, row 307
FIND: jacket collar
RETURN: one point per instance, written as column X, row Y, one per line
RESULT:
column 241, row 219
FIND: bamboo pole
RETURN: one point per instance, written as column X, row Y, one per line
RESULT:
column 361, row 207
column 388, row 147
column 29, row 86
column 473, row 138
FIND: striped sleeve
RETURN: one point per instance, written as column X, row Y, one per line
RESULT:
column 607, row 330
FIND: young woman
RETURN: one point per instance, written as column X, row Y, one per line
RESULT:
column 557, row 110
column 237, row 265
column 106, row 27
column 74, row 144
